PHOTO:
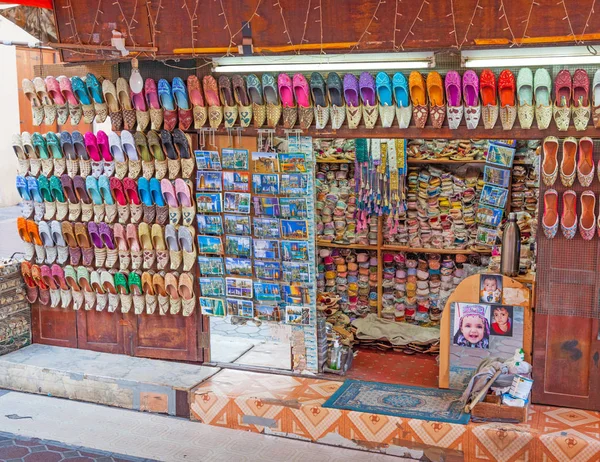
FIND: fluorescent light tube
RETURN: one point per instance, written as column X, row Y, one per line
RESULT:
column 513, row 57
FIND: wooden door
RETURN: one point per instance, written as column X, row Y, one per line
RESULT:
column 53, row 326
column 100, row 331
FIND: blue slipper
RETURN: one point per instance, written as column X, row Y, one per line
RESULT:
column 104, row 188
column 34, row 189
column 91, row 184
column 384, row 89
column 156, row 192
column 400, row 86
column 144, row 191
column 165, row 95
column 180, row 94
column 94, row 88
column 22, row 188
column 80, row 90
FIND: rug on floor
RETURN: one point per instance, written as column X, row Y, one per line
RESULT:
column 399, row 401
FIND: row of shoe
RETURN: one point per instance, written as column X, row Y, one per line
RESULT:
column 109, row 246
column 577, row 158
column 130, row 154
column 99, row 290
column 569, row 217
column 107, row 199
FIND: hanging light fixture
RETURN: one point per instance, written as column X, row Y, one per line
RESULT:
column 135, row 80
column 531, row 57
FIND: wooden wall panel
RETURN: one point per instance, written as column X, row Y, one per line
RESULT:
column 53, row 326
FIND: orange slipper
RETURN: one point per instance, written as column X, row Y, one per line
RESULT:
column 435, row 92
column 418, row 97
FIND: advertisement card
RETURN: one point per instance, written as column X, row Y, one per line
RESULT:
column 238, row 266
column 237, row 224
column 239, row 246
column 237, row 202
column 207, row 160
column 236, row 181
column 266, row 228
column 234, row 159
column 209, row 203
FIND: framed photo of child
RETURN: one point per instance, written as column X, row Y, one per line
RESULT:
column 490, row 288
column 472, row 325
column 502, row 320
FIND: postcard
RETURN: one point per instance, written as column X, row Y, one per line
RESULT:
column 295, row 272
column 266, row 228
column 237, row 224
column 293, row 207
column 238, row 287
column 209, row 203
column 294, row 229
column 263, row 183
column 292, row 162
column 236, row 181
column 493, row 195
column 496, row 176
column 268, row 312
column 294, row 250
column 486, row 236
column 500, row 155
column 212, row 306
column 489, row 216
column 293, row 183
column 293, row 294
column 207, row 160
column 268, row 270
column 265, row 162
column 212, row 287
column 237, row 202
column 234, row 159
column 240, row 246
column 238, row 266
column 267, row 292
column 297, row 315
column 210, row 244
column 266, row 249
column 266, row 206
column 244, row 308
column 209, row 224
column 211, row 266
column 209, row 181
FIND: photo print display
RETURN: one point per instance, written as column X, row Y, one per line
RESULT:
column 211, row 266
column 236, row 181
column 237, row 202
column 209, row 203
column 207, row 160
column 472, row 325
column 490, row 288
column 267, row 228
column 234, row 159
column 265, row 162
column 502, row 320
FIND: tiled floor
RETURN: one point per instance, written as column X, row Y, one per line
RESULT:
column 292, row 405
column 16, row 448
column 394, row 367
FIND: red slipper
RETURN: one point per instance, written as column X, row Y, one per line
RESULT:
column 131, row 191
column 117, row 190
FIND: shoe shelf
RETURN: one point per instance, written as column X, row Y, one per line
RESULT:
column 402, row 248
column 333, row 245
column 410, row 161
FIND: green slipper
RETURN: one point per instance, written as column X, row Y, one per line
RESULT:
column 44, row 186
column 56, row 189
column 121, row 281
column 54, row 145
column 135, row 282
column 39, row 143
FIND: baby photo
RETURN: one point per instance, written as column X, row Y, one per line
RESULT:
column 471, row 325
column 208, row 160
column 235, row 159
column 236, row 181
column 490, row 288
column 502, row 317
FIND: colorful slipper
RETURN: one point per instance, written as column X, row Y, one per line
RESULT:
column 184, row 108
column 199, row 109
column 418, row 98
column 542, row 85
column 525, row 97
column 435, row 92
column 489, row 99
column 368, row 96
column 271, row 95
column 156, row 112
column 62, row 108
column 454, row 109
column 124, row 98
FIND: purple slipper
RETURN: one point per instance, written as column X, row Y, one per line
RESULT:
column 80, row 191
column 107, row 235
column 471, row 88
column 452, row 84
column 95, row 234
column 351, row 90
column 367, row 89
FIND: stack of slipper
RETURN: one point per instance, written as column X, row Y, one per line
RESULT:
column 78, row 287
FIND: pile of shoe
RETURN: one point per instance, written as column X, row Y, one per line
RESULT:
column 334, row 149
column 459, row 150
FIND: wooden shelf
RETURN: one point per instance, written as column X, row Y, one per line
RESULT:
column 403, row 248
column 334, row 161
column 346, row 246
column 444, row 161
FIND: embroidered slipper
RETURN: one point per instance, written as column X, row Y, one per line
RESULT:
column 184, row 108
column 49, row 203
column 562, row 102
column 43, row 292
column 108, row 239
column 91, row 144
column 60, row 201
column 435, row 92
column 525, row 111
column 114, row 110
column 158, row 282
column 104, row 148
column 199, row 109
column 122, row 246
column 149, row 294
column 149, row 255
column 335, row 91
column 141, row 145
column 76, row 292
column 585, row 162
column 184, row 197
column 182, row 144
column 46, row 274
column 123, row 290
column 472, row 108
column 85, row 164
column 302, row 92
column 170, row 198
column 595, row 99
column 124, row 98
column 153, row 103
column 66, row 143
column 211, row 95
column 149, row 210
column 321, row 102
column 135, row 288
column 41, row 150
column 240, row 96
column 95, row 90
column 81, row 93
column 19, row 150
column 108, row 284
column 61, row 245
column 403, row 105
column 99, row 249
column 188, row 248
column 47, row 103
column 31, row 290
column 82, row 199
column 75, row 110
column 489, row 99
column 37, row 110
column 101, row 295
column 62, row 108
column 91, row 185
column 118, row 192
column 47, row 241
column 83, row 279
column 165, row 96
column 587, row 221
column 142, row 115
column 134, row 246
column 229, row 107
column 83, row 241
column 368, row 96
column 387, row 111
column 171, row 284
column 34, row 160
column 454, row 109
column 271, row 96
column 255, row 93
column 160, row 162
column 581, row 100
column 286, row 94
column 58, row 160
column 506, row 89
column 74, row 202
column 29, row 232
column 66, row 297
column 162, row 210
column 27, row 207
column 186, row 291
column 568, row 163
column 351, row 95
column 418, row 98
column 129, row 147
column 158, row 242
column 568, row 219
column 175, row 255
column 135, row 204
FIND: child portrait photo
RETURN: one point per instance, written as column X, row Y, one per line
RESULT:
column 490, row 288
column 502, row 320
column 471, row 325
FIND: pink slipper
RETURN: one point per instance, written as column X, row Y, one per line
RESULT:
column 138, row 100
column 54, row 90
column 67, row 91
column 91, row 144
column 104, row 146
column 286, row 92
column 168, row 193
column 301, row 90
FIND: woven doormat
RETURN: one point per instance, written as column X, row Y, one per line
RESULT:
column 400, row 401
